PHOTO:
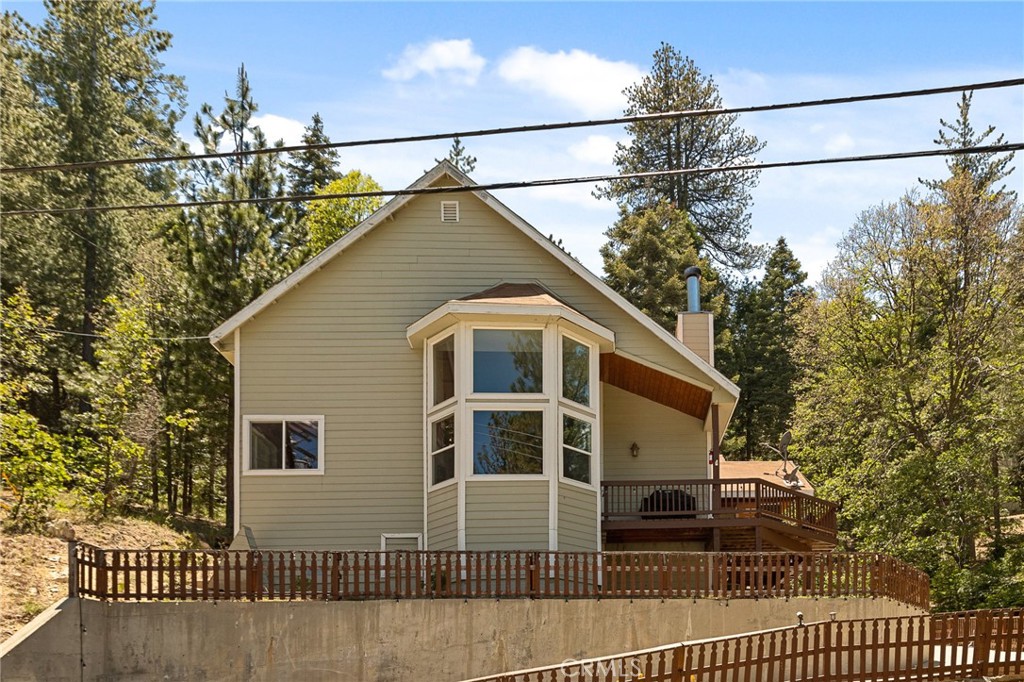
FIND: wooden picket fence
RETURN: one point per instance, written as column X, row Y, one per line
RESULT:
column 127, row 574
column 946, row 646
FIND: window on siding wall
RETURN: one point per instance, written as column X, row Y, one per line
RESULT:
column 508, row 361
column 443, row 366
column 442, row 450
column 508, row 442
column 577, row 448
column 284, row 444
column 575, row 371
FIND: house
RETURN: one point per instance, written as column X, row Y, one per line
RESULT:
column 444, row 377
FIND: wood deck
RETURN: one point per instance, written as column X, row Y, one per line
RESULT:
column 728, row 515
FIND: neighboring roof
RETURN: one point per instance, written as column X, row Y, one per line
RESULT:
column 441, row 170
column 766, row 470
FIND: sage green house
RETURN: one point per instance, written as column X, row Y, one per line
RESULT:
column 444, row 377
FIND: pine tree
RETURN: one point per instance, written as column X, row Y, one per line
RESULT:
column 459, row 158
column 97, row 70
column 717, row 203
column 644, row 260
column 231, row 253
column 764, row 336
column 312, row 169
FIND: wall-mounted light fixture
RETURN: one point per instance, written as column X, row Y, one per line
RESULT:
column 634, row 450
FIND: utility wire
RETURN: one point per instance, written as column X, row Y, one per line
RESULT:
column 51, row 330
column 592, row 179
column 669, row 115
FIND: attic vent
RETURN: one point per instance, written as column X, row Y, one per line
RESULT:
column 449, row 211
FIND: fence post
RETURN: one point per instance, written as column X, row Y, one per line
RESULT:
column 72, row 568
column 678, row 663
column 101, row 573
column 982, row 643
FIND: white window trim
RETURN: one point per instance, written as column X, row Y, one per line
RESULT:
column 471, row 475
column 504, row 397
column 433, row 341
column 430, row 421
column 595, row 373
column 384, row 537
column 246, row 436
column 550, row 403
column 583, row 417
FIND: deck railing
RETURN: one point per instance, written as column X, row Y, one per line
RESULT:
column 124, row 574
column 701, row 500
column 965, row 645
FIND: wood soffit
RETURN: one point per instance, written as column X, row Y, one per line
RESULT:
column 649, row 383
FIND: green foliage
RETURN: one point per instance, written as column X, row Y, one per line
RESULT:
column 32, row 460
column 459, row 158
column 126, row 413
column 717, row 203
column 312, row 169
column 911, row 361
column 644, row 260
column 331, row 219
column 764, row 337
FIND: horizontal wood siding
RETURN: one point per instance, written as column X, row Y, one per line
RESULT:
column 336, row 345
column 577, row 519
column 672, row 444
column 506, row 515
column 443, row 518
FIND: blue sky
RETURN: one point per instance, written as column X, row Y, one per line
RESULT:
column 389, row 69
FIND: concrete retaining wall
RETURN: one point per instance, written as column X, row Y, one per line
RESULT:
column 375, row 640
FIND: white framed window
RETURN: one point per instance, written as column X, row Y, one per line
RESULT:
column 441, row 370
column 577, row 451
column 507, row 361
column 276, row 444
column 577, row 370
column 441, row 434
column 508, row 440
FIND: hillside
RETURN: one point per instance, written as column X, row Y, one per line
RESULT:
column 34, row 566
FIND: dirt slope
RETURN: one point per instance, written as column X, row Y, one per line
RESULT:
column 34, row 568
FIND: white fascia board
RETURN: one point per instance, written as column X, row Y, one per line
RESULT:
column 320, row 260
column 447, row 313
column 446, row 168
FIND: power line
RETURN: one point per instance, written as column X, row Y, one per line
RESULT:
column 51, row 330
column 541, row 127
column 592, row 179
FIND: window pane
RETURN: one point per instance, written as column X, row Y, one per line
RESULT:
column 576, row 433
column 508, row 442
column 444, row 369
column 508, row 361
column 443, row 433
column 443, row 465
column 265, row 445
column 303, row 445
column 575, row 371
column 575, row 465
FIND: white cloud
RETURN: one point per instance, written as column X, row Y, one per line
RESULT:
column 454, row 59
column 279, row 128
column 597, row 149
column 839, row 143
column 583, row 80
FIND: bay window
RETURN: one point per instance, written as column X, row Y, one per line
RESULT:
column 510, row 394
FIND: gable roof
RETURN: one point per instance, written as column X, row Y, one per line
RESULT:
column 462, row 182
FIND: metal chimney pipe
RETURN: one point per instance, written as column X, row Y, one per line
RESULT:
column 692, row 275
